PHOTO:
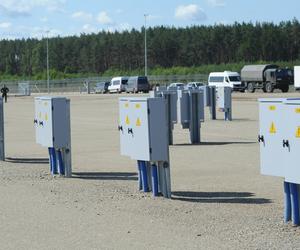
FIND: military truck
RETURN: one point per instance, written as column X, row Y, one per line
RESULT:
column 266, row 77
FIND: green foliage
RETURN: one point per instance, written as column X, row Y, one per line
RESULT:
column 182, row 51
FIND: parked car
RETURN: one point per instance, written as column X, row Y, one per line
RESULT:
column 118, row 84
column 101, row 87
column 138, row 84
column 194, row 85
column 176, row 85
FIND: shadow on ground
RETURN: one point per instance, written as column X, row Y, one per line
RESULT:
column 27, row 160
column 127, row 176
column 216, row 143
column 219, row 197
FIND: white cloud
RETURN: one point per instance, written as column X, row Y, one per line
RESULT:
column 82, row 15
column 88, row 28
column 216, row 3
column 5, row 25
column 44, row 19
column 23, row 31
column 103, row 18
column 17, row 8
column 190, row 12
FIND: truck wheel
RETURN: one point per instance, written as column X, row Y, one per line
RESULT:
column 269, row 87
column 285, row 89
column 250, row 87
column 264, row 89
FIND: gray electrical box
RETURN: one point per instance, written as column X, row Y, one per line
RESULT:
column 170, row 96
column 52, row 121
column 290, row 143
column 271, row 135
column 185, row 108
column 143, row 128
column 206, row 95
column 224, row 98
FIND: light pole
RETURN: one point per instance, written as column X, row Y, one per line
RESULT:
column 146, row 15
column 48, row 76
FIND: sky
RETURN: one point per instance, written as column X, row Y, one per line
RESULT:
column 37, row 18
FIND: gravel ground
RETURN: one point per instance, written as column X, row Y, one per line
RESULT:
column 219, row 199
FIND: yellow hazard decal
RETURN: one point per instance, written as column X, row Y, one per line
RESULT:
column 127, row 121
column 272, row 128
column 298, row 132
column 297, row 110
column 138, row 122
column 46, row 117
column 46, row 103
column 126, row 105
column 137, row 106
column 272, row 108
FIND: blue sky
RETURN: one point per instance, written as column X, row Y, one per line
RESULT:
column 32, row 18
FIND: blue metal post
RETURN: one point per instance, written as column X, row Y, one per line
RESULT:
column 53, row 163
column 226, row 114
column 140, row 175
column 61, row 165
column 143, row 165
column 295, row 203
column 287, row 202
column 154, row 180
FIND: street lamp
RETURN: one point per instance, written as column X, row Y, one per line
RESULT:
column 146, row 15
column 48, row 76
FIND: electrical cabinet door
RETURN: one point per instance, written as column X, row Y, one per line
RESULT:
column 52, row 121
column 44, row 126
column 183, row 108
column 291, row 141
column 271, row 135
column 158, row 130
column 125, row 122
column 139, row 129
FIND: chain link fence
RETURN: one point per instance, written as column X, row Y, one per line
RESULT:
column 80, row 85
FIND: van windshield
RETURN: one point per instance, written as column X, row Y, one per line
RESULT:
column 235, row 78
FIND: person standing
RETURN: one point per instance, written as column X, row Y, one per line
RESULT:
column 4, row 91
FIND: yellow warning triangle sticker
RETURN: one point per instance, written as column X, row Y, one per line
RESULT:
column 298, row 132
column 127, row 121
column 272, row 128
column 138, row 122
column 46, row 117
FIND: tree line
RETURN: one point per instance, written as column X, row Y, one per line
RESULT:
column 168, row 47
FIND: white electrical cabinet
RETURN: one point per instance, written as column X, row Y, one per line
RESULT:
column 224, row 97
column 297, row 77
column 52, row 121
column 291, row 140
column 271, row 136
column 143, row 128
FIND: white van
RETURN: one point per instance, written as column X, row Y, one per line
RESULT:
column 118, row 84
column 226, row 79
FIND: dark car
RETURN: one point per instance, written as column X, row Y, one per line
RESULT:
column 138, row 84
column 102, row 87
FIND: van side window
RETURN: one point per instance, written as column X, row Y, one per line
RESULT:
column 116, row 83
column 216, row 79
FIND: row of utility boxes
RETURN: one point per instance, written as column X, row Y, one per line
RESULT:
column 279, row 138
